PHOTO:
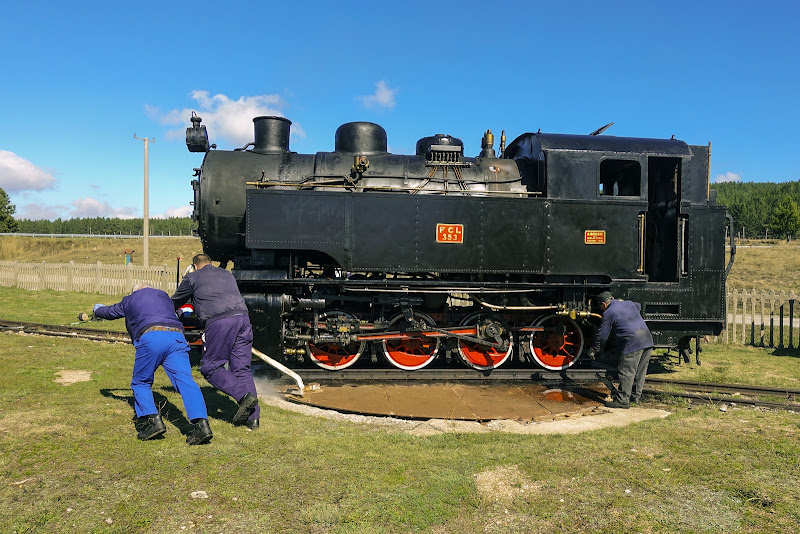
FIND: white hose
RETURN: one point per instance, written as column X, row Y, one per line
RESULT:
column 282, row 368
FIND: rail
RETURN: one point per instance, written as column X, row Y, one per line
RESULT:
column 711, row 393
column 64, row 331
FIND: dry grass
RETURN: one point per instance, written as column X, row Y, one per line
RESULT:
column 163, row 250
column 769, row 265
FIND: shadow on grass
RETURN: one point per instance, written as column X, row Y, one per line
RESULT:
column 217, row 405
column 665, row 362
column 792, row 353
column 220, row 405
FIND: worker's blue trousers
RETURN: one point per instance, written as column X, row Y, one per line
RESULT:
column 229, row 342
column 170, row 351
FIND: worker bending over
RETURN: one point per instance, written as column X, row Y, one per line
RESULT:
column 158, row 338
column 228, row 335
column 623, row 325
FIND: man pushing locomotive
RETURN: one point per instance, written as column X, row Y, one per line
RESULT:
column 622, row 324
column 158, row 337
column 228, row 336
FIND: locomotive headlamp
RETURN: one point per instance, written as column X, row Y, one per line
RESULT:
column 196, row 136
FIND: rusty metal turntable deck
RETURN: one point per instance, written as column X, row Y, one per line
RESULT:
column 456, row 400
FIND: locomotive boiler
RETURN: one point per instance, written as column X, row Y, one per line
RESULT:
column 363, row 257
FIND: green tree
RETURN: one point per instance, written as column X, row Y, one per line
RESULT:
column 751, row 203
column 7, row 222
column 785, row 218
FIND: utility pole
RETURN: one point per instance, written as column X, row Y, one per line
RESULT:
column 146, row 231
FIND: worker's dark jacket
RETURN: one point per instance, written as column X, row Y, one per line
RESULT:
column 623, row 324
column 214, row 294
column 142, row 309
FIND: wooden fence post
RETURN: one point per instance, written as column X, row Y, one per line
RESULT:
column 71, row 276
column 128, row 276
column 772, row 318
column 39, row 276
column 97, row 279
column 744, row 312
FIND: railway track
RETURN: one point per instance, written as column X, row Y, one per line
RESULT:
column 701, row 392
column 713, row 393
column 64, row 331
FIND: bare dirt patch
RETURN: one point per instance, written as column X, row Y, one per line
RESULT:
column 68, row 377
column 503, row 484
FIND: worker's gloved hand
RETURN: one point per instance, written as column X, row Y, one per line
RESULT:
column 94, row 308
column 591, row 354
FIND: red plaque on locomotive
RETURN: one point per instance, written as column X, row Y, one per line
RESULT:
column 594, row 237
column 449, row 233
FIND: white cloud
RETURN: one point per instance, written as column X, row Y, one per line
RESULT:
column 36, row 212
column 91, row 207
column 383, row 97
column 18, row 174
column 727, row 177
column 225, row 119
column 182, row 211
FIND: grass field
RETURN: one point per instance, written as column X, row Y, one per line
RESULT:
column 772, row 265
column 70, row 460
column 163, row 251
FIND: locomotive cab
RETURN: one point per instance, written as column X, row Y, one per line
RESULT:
column 644, row 203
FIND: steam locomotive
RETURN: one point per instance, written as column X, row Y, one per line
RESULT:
column 359, row 254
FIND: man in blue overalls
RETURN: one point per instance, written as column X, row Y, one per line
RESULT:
column 158, row 337
column 228, row 335
column 622, row 323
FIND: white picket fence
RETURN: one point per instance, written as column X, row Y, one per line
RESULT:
column 763, row 318
column 89, row 278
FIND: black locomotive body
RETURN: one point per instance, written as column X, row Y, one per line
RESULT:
column 360, row 254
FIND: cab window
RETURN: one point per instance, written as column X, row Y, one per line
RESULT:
column 620, row 178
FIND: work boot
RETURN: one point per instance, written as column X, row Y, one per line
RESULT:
column 251, row 424
column 247, row 405
column 606, row 380
column 201, row 433
column 618, row 404
column 150, row 426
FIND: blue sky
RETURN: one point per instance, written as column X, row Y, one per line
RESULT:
column 80, row 78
